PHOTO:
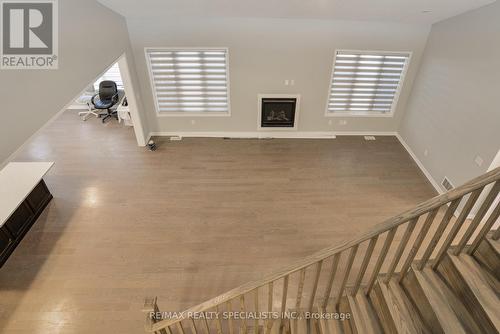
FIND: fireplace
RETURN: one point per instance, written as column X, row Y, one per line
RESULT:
column 278, row 112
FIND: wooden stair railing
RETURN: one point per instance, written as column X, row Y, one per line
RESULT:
column 354, row 265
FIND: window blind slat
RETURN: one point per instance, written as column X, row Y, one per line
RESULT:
column 192, row 109
column 189, row 80
column 189, row 93
column 365, row 82
column 112, row 74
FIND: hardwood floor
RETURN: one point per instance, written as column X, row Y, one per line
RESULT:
column 187, row 222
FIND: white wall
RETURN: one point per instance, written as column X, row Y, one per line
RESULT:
column 91, row 38
column 265, row 52
column 454, row 110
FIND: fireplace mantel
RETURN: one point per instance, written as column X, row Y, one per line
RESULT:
column 260, row 97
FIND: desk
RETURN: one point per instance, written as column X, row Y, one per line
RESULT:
column 23, row 196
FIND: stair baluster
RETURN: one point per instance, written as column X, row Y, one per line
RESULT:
column 456, row 227
column 418, row 242
column 439, row 232
column 477, row 218
column 364, row 265
column 385, row 249
column 402, row 244
column 333, row 272
column 350, row 261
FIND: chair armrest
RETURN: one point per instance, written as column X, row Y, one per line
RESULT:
column 93, row 98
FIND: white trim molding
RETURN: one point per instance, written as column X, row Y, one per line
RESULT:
column 428, row 175
column 278, row 96
column 367, row 133
column 247, row 134
column 267, row 134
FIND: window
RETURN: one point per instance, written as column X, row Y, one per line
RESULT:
column 112, row 74
column 187, row 82
column 366, row 83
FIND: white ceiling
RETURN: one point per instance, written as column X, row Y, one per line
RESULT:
column 410, row 11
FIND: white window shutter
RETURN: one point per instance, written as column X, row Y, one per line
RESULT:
column 189, row 81
column 366, row 82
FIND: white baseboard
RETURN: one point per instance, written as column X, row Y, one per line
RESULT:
column 435, row 184
column 420, row 165
column 246, row 134
column 269, row 134
column 366, row 133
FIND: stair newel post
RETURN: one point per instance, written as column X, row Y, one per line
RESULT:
column 402, row 245
column 487, row 226
column 418, row 242
column 333, row 272
column 383, row 253
column 270, row 292
column 438, row 233
column 150, row 308
column 315, row 286
column 350, row 261
column 456, row 227
column 364, row 265
column 283, row 302
column 478, row 218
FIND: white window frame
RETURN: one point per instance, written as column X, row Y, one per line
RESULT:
column 183, row 113
column 368, row 114
column 104, row 78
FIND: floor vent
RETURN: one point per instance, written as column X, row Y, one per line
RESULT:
column 369, row 137
column 447, row 184
column 175, row 138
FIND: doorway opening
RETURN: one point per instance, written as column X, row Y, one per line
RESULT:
column 110, row 100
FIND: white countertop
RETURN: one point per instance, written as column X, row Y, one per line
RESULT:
column 17, row 180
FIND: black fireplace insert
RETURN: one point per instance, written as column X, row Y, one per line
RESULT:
column 278, row 112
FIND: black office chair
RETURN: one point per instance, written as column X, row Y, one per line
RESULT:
column 106, row 98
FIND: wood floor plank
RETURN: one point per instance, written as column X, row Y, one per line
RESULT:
column 126, row 223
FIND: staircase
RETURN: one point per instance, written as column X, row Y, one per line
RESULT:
column 432, row 269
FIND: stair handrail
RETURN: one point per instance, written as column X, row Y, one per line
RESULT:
column 426, row 207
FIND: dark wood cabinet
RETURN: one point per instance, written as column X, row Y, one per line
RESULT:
column 20, row 219
column 5, row 242
column 18, row 224
column 38, row 196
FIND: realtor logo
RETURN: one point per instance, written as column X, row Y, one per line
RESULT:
column 29, row 37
